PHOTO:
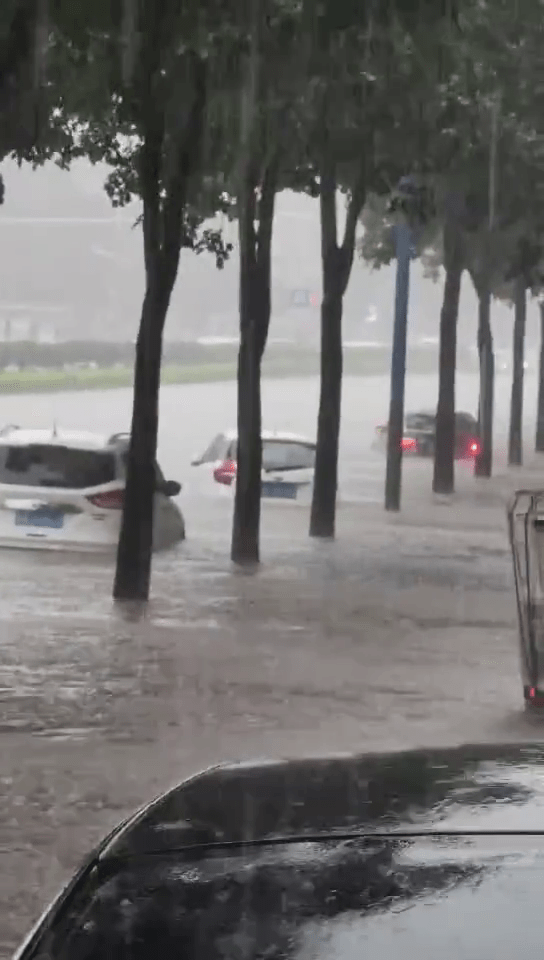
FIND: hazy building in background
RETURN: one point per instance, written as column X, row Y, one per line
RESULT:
column 72, row 267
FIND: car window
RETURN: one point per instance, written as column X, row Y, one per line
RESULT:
column 287, row 455
column 217, row 450
column 419, row 421
column 48, row 465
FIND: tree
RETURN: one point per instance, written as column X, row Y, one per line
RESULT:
column 365, row 135
column 23, row 55
column 136, row 96
column 515, row 439
column 169, row 91
column 268, row 92
column 23, row 52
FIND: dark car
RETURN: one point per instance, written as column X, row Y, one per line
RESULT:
column 416, row 855
column 420, row 431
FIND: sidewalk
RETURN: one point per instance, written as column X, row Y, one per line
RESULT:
column 477, row 503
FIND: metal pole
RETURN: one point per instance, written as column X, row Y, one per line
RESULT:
column 393, row 475
column 483, row 463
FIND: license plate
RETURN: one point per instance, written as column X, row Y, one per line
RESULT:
column 43, row 517
column 283, row 491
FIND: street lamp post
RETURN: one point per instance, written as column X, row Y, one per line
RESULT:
column 404, row 252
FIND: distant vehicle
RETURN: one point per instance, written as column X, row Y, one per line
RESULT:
column 420, row 430
column 63, row 490
column 288, row 464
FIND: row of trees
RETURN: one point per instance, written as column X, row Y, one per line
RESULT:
column 202, row 107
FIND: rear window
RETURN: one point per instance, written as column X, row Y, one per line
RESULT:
column 465, row 421
column 55, row 466
column 419, row 421
column 280, row 455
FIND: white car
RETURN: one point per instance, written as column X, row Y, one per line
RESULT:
column 288, row 464
column 64, row 490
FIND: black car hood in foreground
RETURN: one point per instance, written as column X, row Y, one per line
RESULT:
column 419, row 855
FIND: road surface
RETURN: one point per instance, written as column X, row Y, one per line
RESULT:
column 401, row 633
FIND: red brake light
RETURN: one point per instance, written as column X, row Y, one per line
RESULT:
column 535, row 696
column 225, row 473
column 474, row 448
column 109, row 500
column 408, row 443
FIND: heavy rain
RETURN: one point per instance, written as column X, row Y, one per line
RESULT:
column 271, row 373
column 398, row 634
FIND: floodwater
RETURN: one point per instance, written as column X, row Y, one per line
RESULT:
column 400, row 633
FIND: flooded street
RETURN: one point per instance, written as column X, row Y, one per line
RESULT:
column 403, row 632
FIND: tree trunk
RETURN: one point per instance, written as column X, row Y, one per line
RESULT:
column 255, row 307
column 444, row 458
column 168, row 161
column 133, row 572
column 483, row 464
column 515, row 438
column 336, row 263
column 247, row 498
column 323, row 514
column 539, row 440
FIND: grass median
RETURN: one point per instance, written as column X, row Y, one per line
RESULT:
column 295, row 364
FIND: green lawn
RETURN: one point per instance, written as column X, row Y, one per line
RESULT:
column 50, row 381
column 279, row 365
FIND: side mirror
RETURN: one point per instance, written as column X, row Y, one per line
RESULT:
column 171, row 488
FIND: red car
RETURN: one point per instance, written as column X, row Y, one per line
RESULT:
column 420, row 432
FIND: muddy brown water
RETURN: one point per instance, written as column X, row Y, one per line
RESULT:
column 393, row 636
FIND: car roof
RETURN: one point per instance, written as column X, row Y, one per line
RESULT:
column 76, row 439
column 280, row 435
column 432, row 414
column 422, row 790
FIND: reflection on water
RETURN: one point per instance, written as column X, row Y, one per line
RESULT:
column 74, row 661
column 324, row 646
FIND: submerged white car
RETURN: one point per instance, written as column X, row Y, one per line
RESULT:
column 64, row 490
column 288, row 464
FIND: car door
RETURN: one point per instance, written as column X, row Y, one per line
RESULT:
column 203, row 466
column 288, row 469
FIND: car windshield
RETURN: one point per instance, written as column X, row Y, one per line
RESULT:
column 48, row 465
